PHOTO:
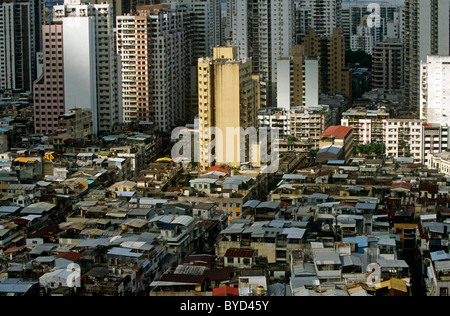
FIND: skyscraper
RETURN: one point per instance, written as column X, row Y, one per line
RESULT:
column 20, row 38
column 202, row 20
column 90, row 62
column 228, row 100
column 264, row 31
column 206, row 24
column 298, row 80
column 426, row 33
column 385, row 20
column 321, row 15
column 333, row 76
column 435, row 90
column 387, row 64
column 48, row 89
column 155, row 62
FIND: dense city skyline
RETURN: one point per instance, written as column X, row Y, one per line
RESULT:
column 252, row 148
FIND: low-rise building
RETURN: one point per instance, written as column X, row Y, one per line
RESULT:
column 273, row 240
column 339, row 139
column 367, row 125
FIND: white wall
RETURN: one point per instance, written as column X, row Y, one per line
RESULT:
column 435, row 89
column 79, row 65
column 311, row 82
column 284, row 84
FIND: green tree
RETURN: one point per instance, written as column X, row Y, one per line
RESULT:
column 358, row 57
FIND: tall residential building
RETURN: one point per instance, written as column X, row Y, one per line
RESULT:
column 435, row 90
column 228, row 100
column 264, row 31
column 90, row 62
column 321, row 15
column 153, row 63
column 298, row 80
column 20, row 39
column 371, row 21
column 121, row 7
column 334, row 78
column 387, row 64
column 48, row 89
column 203, row 22
column 206, row 24
column 426, row 33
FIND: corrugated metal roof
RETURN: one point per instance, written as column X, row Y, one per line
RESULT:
column 269, row 204
column 439, row 255
column 392, row 263
column 251, row 203
column 294, row 177
column 294, row 233
column 116, row 251
column 326, row 257
column 333, row 149
column 162, row 218
column 184, row 220
column 15, row 286
column 366, row 206
column 234, row 229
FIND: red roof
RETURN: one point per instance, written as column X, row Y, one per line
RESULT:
column 401, row 185
column 217, row 168
column 338, row 131
column 239, row 253
column 12, row 250
column 72, row 256
column 226, row 291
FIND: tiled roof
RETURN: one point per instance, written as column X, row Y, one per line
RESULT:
column 72, row 256
column 239, row 253
column 337, row 131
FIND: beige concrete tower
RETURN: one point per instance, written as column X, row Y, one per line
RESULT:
column 228, row 100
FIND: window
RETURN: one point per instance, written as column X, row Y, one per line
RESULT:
column 443, row 291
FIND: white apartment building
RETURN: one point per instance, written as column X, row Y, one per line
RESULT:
column 364, row 39
column 302, row 122
column 358, row 17
column 427, row 32
column 367, row 124
column 90, row 61
column 264, row 31
column 275, row 118
column 152, row 49
column 435, row 90
column 403, row 137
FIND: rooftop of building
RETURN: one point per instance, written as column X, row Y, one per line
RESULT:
column 338, row 131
